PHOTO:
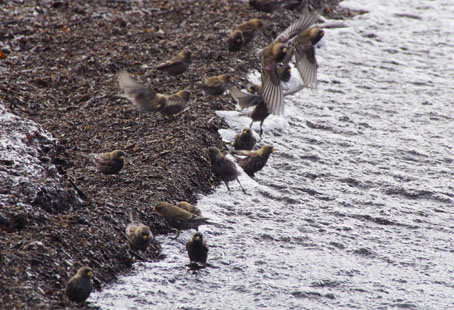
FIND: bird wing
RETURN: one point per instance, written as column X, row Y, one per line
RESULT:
column 245, row 100
column 272, row 92
column 169, row 63
column 305, row 21
column 307, row 64
column 134, row 91
column 246, row 153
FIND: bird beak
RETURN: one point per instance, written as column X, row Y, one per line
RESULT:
column 159, row 106
column 273, row 149
column 245, row 131
column 122, row 157
column 89, row 273
column 145, row 237
column 154, row 210
column 284, row 50
column 197, row 238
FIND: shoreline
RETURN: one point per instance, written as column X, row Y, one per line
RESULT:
column 62, row 62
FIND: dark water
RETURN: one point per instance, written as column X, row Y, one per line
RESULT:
column 356, row 208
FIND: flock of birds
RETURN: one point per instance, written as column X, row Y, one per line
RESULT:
column 297, row 40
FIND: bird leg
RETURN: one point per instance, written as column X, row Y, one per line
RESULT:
column 177, row 235
column 261, row 130
column 227, row 184
column 241, row 185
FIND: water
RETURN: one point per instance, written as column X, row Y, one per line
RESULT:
column 355, row 209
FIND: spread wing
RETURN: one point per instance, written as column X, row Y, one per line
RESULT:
column 307, row 64
column 272, row 92
column 245, row 100
column 300, row 25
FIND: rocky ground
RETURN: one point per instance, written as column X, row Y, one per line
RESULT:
column 59, row 61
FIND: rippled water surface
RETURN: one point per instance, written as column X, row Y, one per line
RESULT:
column 355, row 209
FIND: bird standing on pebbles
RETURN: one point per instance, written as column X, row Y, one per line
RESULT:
column 223, row 167
column 139, row 235
column 214, row 85
column 243, row 34
column 148, row 100
column 244, row 140
column 197, row 249
column 254, row 161
column 79, row 286
column 110, row 162
column 178, row 64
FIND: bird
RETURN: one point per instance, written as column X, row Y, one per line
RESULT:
column 197, row 249
column 254, row 161
column 245, row 100
column 189, row 207
column 254, row 99
column 109, row 162
column 178, row 64
column 244, row 140
column 304, row 51
column 139, row 235
column 179, row 218
column 274, row 53
column 79, row 286
column 223, row 167
column 214, row 85
column 243, row 34
column 148, row 100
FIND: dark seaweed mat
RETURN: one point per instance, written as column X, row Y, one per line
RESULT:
column 59, row 61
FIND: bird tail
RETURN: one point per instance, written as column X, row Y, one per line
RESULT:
column 132, row 216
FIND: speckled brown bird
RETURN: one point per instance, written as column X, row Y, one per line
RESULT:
column 214, row 85
column 179, row 218
column 178, row 64
column 254, row 161
column 272, row 55
column 139, row 235
column 147, row 100
column 197, row 249
column 223, row 167
column 245, row 140
column 245, row 100
column 304, row 51
column 110, row 162
column 189, row 207
column 243, row 34
column 79, row 286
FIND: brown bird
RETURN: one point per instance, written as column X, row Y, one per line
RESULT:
column 138, row 234
column 254, row 161
column 306, row 63
column 275, row 53
column 244, row 140
column 197, row 249
column 179, row 218
column 110, row 162
column 79, row 286
column 245, row 100
column 147, row 100
column 214, row 85
column 188, row 207
column 223, row 167
column 243, row 34
column 177, row 64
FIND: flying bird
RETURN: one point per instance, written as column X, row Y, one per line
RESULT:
column 148, row 100
column 254, row 161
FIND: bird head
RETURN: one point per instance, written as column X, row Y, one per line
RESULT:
column 197, row 236
column 118, row 154
column 85, row 272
